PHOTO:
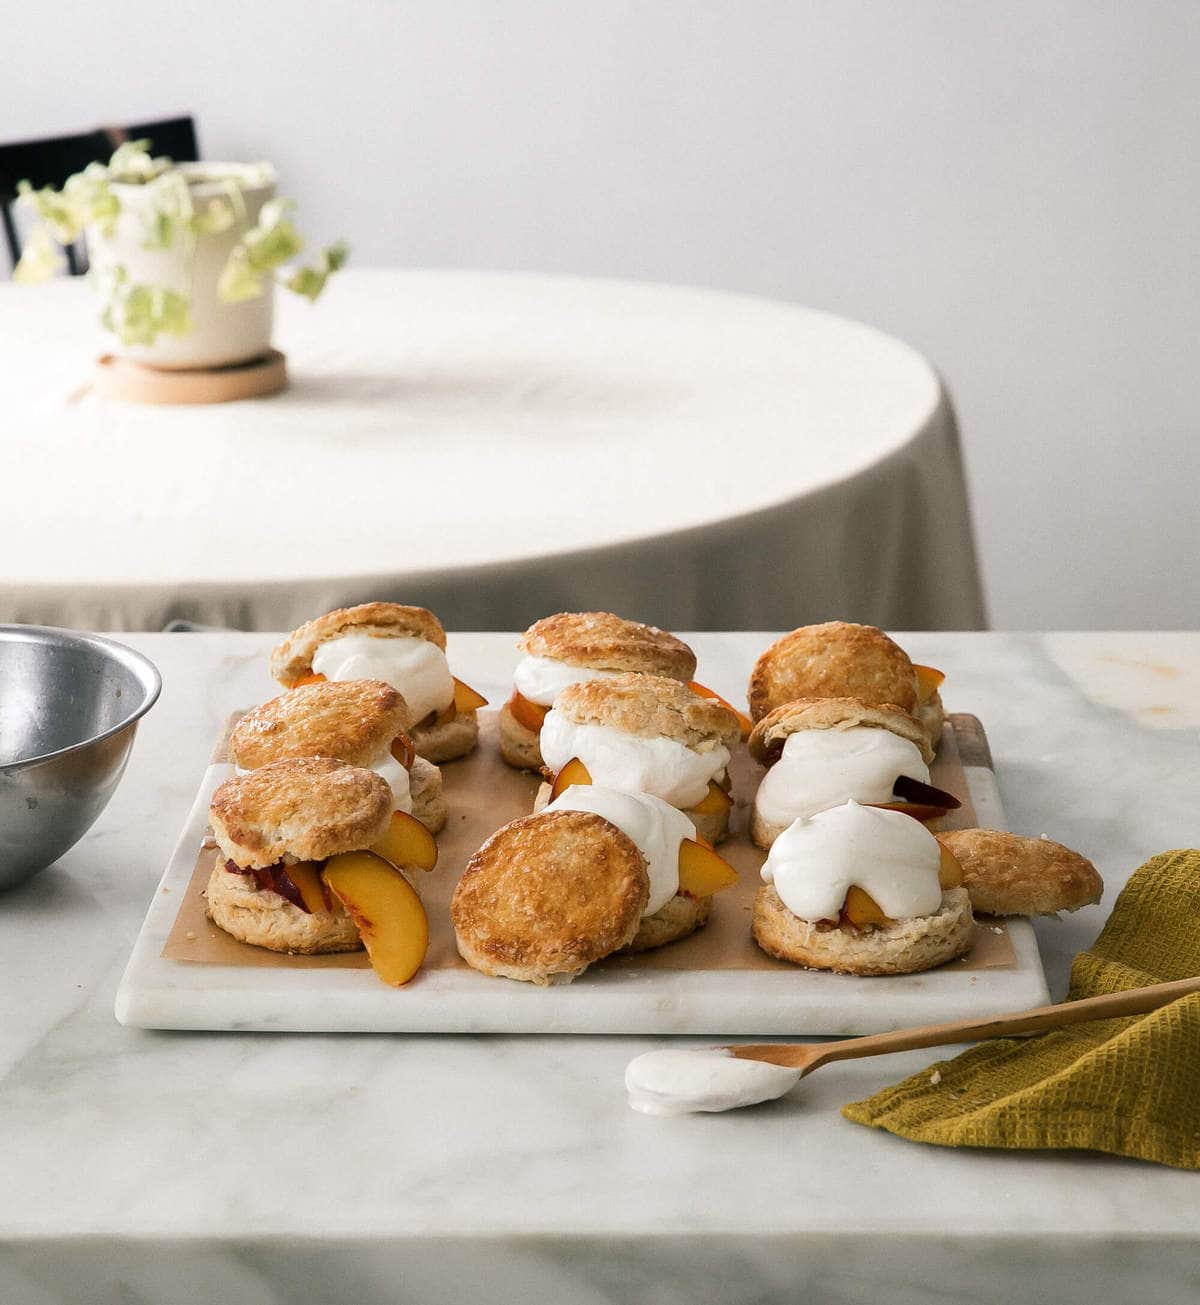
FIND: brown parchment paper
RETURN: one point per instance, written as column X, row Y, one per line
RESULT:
column 483, row 794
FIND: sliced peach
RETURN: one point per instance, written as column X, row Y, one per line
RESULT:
column 701, row 871
column 406, row 842
column 913, row 790
column 529, row 714
column 714, row 801
column 387, row 910
column 917, row 810
column 466, row 699
column 403, row 751
column 744, row 721
column 314, row 678
column 950, row 871
column 306, row 875
column 861, row 908
column 928, row 681
column 447, row 713
column 574, row 772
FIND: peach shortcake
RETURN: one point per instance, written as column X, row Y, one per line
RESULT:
column 404, row 646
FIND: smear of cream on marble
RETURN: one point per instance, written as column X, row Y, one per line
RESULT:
column 685, row 1082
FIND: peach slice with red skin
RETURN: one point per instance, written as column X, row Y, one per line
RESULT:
column 526, row 713
column 407, row 843
column 306, row 875
column 702, row 871
column 929, row 681
column 386, row 909
column 402, row 750
column 573, row 772
column 314, row 677
column 745, row 724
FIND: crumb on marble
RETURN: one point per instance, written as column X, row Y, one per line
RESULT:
column 190, row 935
column 936, row 1077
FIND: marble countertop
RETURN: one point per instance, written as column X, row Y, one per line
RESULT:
column 238, row 1167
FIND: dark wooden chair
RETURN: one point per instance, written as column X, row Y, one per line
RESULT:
column 51, row 161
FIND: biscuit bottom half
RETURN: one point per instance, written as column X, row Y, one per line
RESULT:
column 264, row 919
column 518, row 746
column 446, row 741
column 905, row 947
column 680, row 917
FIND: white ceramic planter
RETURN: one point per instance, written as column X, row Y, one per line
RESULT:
column 221, row 333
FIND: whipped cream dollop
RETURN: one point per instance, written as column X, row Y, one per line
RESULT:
column 885, row 853
column 682, row 1082
column 824, row 768
column 542, row 679
column 654, row 825
column 664, row 768
column 416, row 667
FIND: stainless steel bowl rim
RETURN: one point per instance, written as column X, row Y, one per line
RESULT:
column 142, row 667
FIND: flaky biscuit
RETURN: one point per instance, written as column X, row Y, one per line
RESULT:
column 446, row 740
column 768, row 736
column 680, row 917
column 291, row 659
column 906, row 947
column 519, row 746
column 1006, row 874
column 547, row 895
column 834, row 660
column 609, row 643
column 264, row 919
column 932, row 716
column 307, row 807
column 353, row 720
column 425, row 790
column 650, row 706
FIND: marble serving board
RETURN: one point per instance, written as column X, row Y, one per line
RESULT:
column 187, row 974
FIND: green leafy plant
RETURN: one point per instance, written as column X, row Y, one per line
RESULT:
column 138, row 313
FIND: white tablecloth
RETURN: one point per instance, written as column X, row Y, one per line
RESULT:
column 495, row 448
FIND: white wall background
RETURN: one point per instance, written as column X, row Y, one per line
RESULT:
column 1013, row 187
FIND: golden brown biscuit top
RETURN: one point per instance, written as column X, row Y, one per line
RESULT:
column 1007, row 874
column 307, row 807
column 769, row 735
column 291, row 659
column 833, row 660
column 606, row 642
column 553, row 891
column 650, row 706
column 353, row 720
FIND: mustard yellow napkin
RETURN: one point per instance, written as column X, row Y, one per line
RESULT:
column 1128, row 1086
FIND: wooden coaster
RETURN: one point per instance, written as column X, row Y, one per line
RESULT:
column 121, row 378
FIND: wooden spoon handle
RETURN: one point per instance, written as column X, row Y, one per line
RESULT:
column 1133, row 1001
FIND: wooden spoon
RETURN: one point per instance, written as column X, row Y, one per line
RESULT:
column 678, row 1082
column 809, row 1056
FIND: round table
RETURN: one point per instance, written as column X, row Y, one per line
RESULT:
column 493, row 447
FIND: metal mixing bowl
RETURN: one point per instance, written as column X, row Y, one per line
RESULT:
column 69, row 707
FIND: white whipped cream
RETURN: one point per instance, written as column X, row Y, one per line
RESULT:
column 680, row 1082
column 887, row 854
column 542, row 679
column 661, row 767
column 824, row 768
column 654, row 825
column 416, row 667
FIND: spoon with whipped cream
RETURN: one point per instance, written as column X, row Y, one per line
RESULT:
column 680, row 1082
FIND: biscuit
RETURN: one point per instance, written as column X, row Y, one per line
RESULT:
column 445, row 740
column 425, row 790
column 609, row 643
column 547, row 895
column 905, row 947
column 768, row 736
column 353, row 720
column 1006, row 874
column 307, row 807
column 264, row 919
column 833, row 660
column 519, row 746
column 680, row 917
column 650, row 706
column 291, row 659
column 712, row 825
